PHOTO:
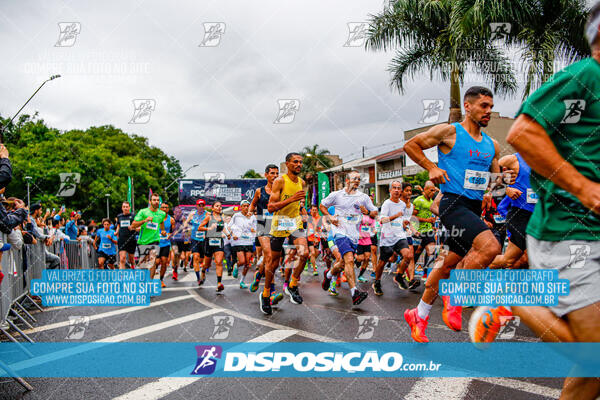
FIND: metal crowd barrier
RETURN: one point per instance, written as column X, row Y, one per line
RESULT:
column 20, row 266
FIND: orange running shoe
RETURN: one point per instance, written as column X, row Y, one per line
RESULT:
column 162, row 284
column 418, row 325
column 485, row 323
column 452, row 315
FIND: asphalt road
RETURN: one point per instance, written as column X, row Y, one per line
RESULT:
column 319, row 318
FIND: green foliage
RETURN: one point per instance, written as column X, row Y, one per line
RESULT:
column 315, row 160
column 251, row 174
column 419, row 179
column 104, row 156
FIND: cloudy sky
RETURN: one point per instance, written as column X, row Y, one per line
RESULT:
column 214, row 105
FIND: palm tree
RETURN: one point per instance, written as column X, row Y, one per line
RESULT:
column 315, row 160
column 424, row 38
column 545, row 30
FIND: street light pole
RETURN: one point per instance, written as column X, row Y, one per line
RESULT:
column 107, row 206
column 28, row 178
column 53, row 77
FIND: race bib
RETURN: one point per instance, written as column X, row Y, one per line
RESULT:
column 532, row 196
column 352, row 219
column 365, row 228
column 267, row 214
column 106, row 245
column 476, row 180
column 152, row 225
column 214, row 242
column 125, row 223
column 163, row 237
column 199, row 235
column 397, row 223
column 311, row 231
column 245, row 236
column 286, row 224
column 499, row 219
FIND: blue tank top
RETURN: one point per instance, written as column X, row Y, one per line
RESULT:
column 467, row 164
column 164, row 242
column 528, row 198
column 195, row 223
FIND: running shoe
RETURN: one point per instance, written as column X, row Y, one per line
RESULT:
column 362, row 279
column 294, row 295
column 255, row 283
column 275, row 298
column 265, row 305
column 184, row 269
column 377, row 288
column 452, row 315
column 326, row 280
column 235, row 271
column 1, row 277
column 285, row 286
column 315, row 272
column 418, row 325
column 485, row 323
column 333, row 289
column 174, row 275
column 220, row 287
column 162, row 284
column 400, row 281
column 243, row 285
column 200, row 282
column 414, row 283
column 373, row 274
column 358, row 297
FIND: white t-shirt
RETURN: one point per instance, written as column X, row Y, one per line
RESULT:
column 392, row 231
column 407, row 216
column 347, row 211
column 244, row 228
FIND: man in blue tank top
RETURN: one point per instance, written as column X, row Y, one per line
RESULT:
column 466, row 157
column 164, row 245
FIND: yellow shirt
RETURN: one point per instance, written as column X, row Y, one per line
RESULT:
column 287, row 220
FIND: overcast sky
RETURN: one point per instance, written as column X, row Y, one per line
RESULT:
column 215, row 106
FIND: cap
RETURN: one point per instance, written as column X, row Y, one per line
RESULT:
column 57, row 217
column 73, row 213
column 331, row 210
column 200, row 202
column 244, row 202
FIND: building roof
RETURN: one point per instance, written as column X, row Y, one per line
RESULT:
column 360, row 162
column 390, row 155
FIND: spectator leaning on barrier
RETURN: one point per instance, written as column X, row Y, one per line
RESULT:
column 52, row 260
column 71, row 227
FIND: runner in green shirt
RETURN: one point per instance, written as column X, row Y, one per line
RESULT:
column 151, row 221
column 426, row 219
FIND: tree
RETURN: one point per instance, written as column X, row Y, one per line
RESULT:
column 251, row 174
column 315, row 160
column 544, row 30
column 425, row 40
column 104, row 156
column 418, row 179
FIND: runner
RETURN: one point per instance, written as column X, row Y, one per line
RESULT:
column 164, row 245
column 363, row 252
column 339, row 262
column 243, row 228
column 426, row 220
column 349, row 205
column 556, row 134
column 105, row 245
column 466, row 157
column 126, row 242
column 407, row 217
column 150, row 220
column 393, row 241
column 197, row 245
column 263, row 224
column 180, row 242
column 284, row 203
column 215, row 228
column 315, row 226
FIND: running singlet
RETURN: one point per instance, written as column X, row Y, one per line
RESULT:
column 528, row 197
column 195, row 223
column 261, row 206
column 164, row 242
column 314, row 229
column 106, row 245
column 150, row 232
column 287, row 220
column 214, row 236
column 467, row 164
column 422, row 206
column 124, row 222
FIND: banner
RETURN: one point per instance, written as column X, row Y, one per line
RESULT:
column 227, row 191
column 323, row 186
column 129, row 193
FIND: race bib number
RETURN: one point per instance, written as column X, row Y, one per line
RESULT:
column 106, row 245
column 245, row 236
column 152, row 225
column 532, row 196
column 397, row 224
column 476, row 180
column 163, row 237
column 125, row 223
column 499, row 219
column 214, row 242
column 267, row 214
column 365, row 229
column 352, row 219
column 199, row 235
column 286, row 224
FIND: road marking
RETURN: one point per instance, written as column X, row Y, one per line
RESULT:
column 529, row 387
column 165, row 386
column 439, row 388
column 121, row 311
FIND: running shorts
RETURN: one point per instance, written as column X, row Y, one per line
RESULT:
column 247, row 249
column 427, row 237
column 277, row 242
column 197, row 246
column 385, row 252
column 127, row 244
column 362, row 249
column 516, row 223
column 110, row 258
column 164, row 251
column 374, row 240
column 461, row 217
column 180, row 246
column 213, row 245
column 577, row 261
column 344, row 245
